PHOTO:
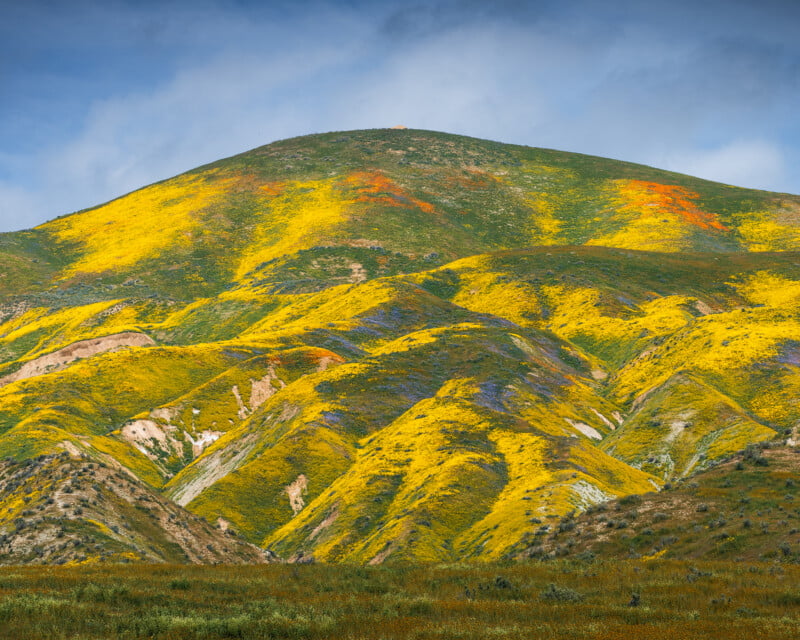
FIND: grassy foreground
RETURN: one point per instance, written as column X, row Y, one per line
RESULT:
column 576, row 599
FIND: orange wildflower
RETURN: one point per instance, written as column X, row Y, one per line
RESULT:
column 376, row 188
column 666, row 198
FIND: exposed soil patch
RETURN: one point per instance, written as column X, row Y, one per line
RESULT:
column 206, row 470
column 76, row 351
column 295, row 491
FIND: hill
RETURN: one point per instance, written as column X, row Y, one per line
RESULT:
column 402, row 345
column 64, row 510
column 742, row 510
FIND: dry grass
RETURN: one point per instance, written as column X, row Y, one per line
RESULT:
column 539, row 600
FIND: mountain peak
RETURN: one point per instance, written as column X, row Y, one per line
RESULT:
column 396, row 344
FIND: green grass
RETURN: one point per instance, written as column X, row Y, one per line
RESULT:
column 561, row 599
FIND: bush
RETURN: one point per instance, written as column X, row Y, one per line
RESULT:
column 565, row 526
column 753, row 454
column 555, row 593
column 502, row 583
column 101, row 593
column 182, row 584
column 586, row 556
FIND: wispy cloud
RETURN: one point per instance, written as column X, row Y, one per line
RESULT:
column 158, row 88
column 742, row 162
column 20, row 207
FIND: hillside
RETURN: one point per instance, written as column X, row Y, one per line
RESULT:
column 402, row 345
column 64, row 510
column 742, row 510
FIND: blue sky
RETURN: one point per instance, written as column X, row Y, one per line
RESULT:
column 98, row 98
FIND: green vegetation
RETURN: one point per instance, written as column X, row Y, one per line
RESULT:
column 399, row 345
column 576, row 599
column 744, row 509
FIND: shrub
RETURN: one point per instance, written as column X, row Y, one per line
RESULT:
column 565, row 526
column 181, row 584
column 502, row 583
column 753, row 455
column 555, row 593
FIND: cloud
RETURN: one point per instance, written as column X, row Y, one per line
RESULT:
column 753, row 163
column 659, row 83
column 240, row 98
column 457, row 81
column 20, row 208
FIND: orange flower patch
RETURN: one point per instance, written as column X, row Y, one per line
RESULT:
column 470, row 179
column 642, row 196
column 376, row 188
column 323, row 357
column 272, row 188
column 242, row 182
